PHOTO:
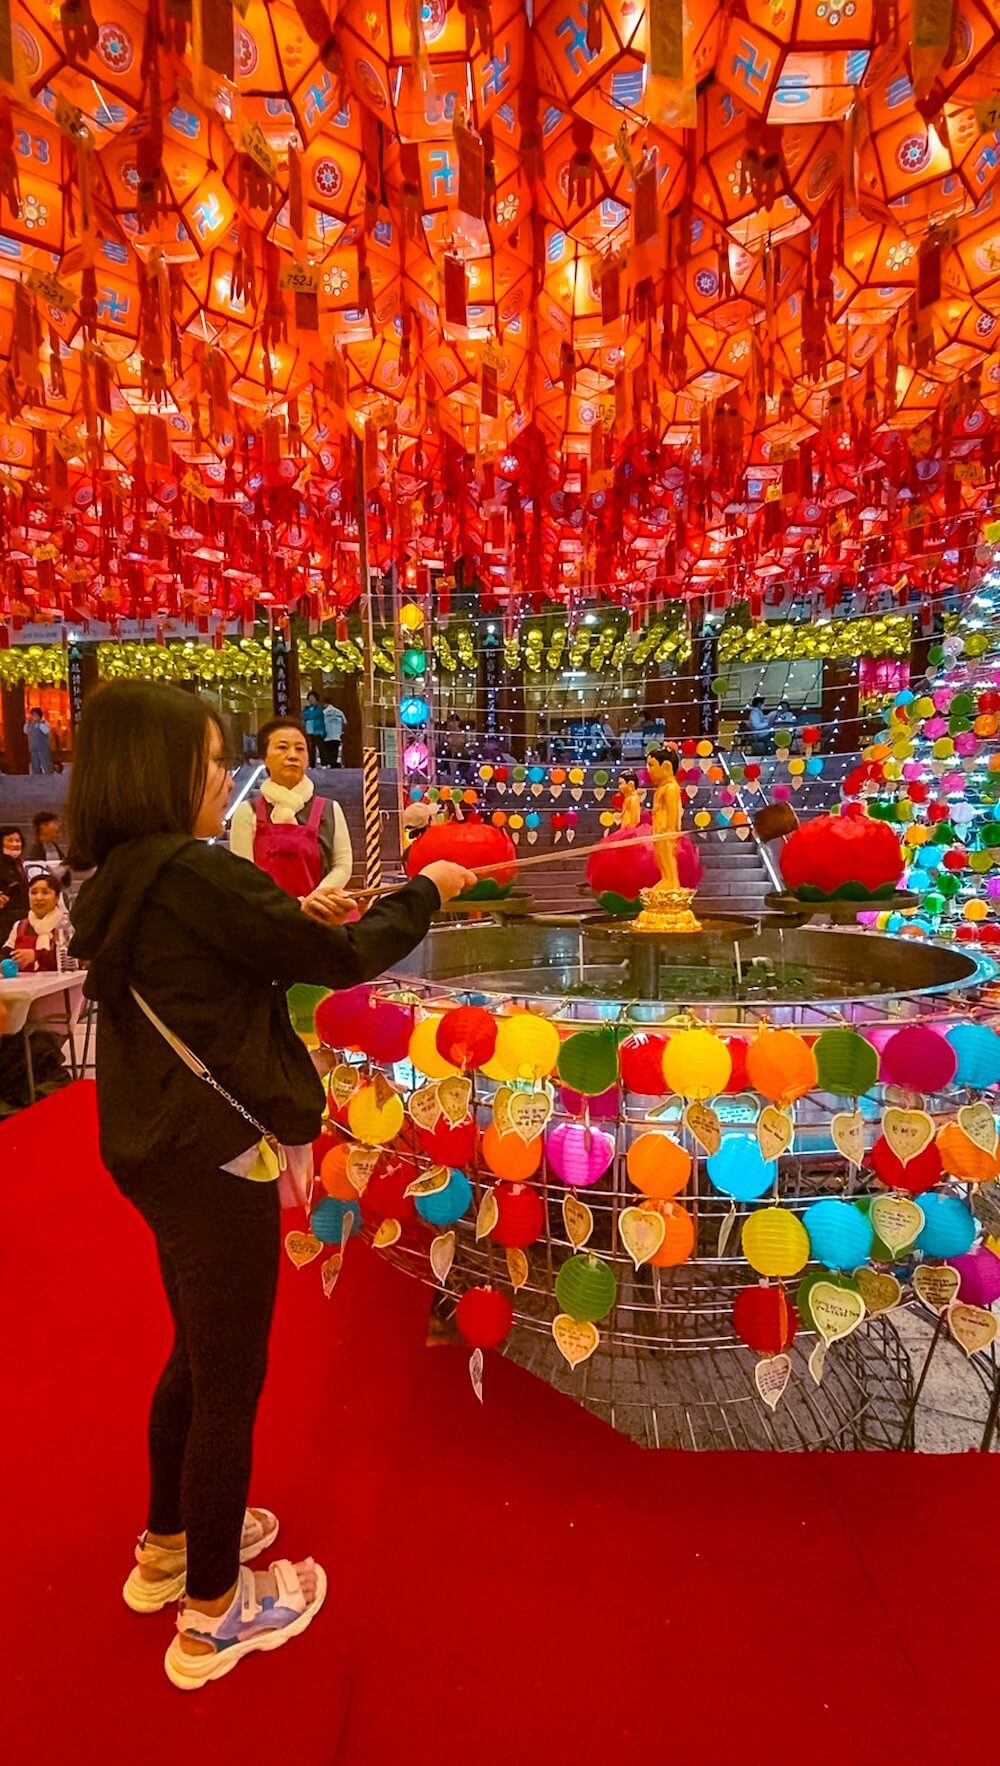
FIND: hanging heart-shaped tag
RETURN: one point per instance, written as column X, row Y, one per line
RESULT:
column 383, row 1092
column 429, row 1182
column 879, row 1291
column 642, row 1233
column 425, row 1107
column 455, row 1096
column 476, row 1373
column 979, row 1123
column 570, row 835
column 578, row 1220
column 442, row 1256
column 517, row 1266
column 817, row 1361
column 488, row 1215
column 501, row 1109
column 704, row 1124
column 771, row 1376
column 388, row 1232
column 774, row 1132
column 848, row 1131
column 330, row 1272
column 836, row 1311
column 936, row 1284
column 302, row 1248
column 726, row 1225
column 344, row 1082
column 973, row 1327
column 576, row 792
column 897, row 1221
column 529, row 1112
column 600, row 793
column 361, row 1162
column 908, row 1132
column 575, row 1340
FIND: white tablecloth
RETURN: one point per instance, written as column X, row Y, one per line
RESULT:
column 37, row 997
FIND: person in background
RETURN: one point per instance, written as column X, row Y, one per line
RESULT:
column 33, row 942
column 314, row 723
column 190, row 953
column 758, row 726
column 39, row 741
column 46, row 847
column 333, row 721
column 13, row 881
column 300, row 839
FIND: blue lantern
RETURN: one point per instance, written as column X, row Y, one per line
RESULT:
column 978, row 1051
column 949, row 1229
column 740, row 1170
column 447, row 1205
column 840, row 1236
column 532, row 819
column 413, row 712
column 328, row 1216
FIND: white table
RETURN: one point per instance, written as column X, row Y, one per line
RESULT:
column 25, row 998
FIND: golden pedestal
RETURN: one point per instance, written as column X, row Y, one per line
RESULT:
column 666, row 910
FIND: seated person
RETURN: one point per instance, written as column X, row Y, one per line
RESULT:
column 33, row 941
column 46, row 848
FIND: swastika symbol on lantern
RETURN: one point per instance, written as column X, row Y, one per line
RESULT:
column 208, row 216
column 112, row 306
column 576, row 45
column 754, row 73
column 319, row 98
column 495, row 74
column 442, row 172
column 114, row 46
column 987, row 160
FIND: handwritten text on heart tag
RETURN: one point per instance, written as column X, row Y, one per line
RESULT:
column 575, row 1340
column 771, row 1376
column 302, row 1248
column 836, row 1311
column 642, row 1233
column 908, row 1132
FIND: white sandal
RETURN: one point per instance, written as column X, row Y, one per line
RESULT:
column 247, row 1625
column 151, row 1594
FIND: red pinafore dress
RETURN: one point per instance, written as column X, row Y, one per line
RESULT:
column 289, row 851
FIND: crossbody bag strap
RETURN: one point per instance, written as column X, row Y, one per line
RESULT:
column 198, row 1067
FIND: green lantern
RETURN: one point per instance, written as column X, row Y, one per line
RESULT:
column 414, row 662
column 588, row 1062
column 586, row 1288
column 303, row 998
column 846, row 1062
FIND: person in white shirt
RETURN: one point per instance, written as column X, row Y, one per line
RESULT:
column 333, row 724
column 39, row 741
column 300, row 840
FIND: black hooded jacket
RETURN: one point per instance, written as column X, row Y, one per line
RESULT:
column 211, row 944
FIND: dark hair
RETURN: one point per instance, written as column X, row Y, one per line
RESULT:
column 665, row 753
column 35, row 711
column 758, row 699
column 44, row 876
column 43, row 816
column 140, row 767
column 267, row 730
column 11, row 829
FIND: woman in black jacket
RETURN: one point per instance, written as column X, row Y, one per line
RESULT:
column 208, row 944
column 13, row 880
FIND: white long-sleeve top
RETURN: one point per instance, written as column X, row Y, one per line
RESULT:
column 334, row 840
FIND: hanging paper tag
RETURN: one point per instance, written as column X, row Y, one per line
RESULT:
column 879, row 1291
column 979, row 1123
column 298, row 278
column 774, row 1132
column 428, row 1184
column 816, row 1362
column 907, row 1132
column 836, row 1312
column 726, row 1225
column 848, row 1131
column 771, row 1377
column 973, row 1327
column 517, row 1266
column 529, row 1112
column 442, row 1256
column 344, row 1082
column 896, row 1220
column 576, row 1340
column 642, row 1233
column 387, row 1234
column 704, row 1124
column 360, row 1164
column 936, row 1284
column 330, row 1272
column 454, row 291
column 476, row 1373
column 488, row 1215
column 425, row 1107
column 455, row 1096
column 302, row 1248
column 578, row 1220
column 501, row 1109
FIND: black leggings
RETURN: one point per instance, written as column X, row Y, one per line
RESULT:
column 218, row 1241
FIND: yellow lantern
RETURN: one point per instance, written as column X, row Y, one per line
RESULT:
column 775, row 1243
column 373, row 1122
column 411, row 617
column 527, row 1046
column 697, row 1064
column 423, row 1051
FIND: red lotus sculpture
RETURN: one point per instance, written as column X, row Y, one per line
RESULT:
column 842, row 858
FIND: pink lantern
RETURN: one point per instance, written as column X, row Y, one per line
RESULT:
column 340, row 1015
column 918, row 1059
column 383, row 1032
column 602, row 1108
column 578, row 1155
column 980, row 1276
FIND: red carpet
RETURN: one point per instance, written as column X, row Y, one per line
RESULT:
column 508, row 1583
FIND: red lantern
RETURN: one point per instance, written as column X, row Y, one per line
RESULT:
column 918, row 1059
column 521, row 1216
column 842, row 856
column 383, row 1031
column 339, row 1015
column 640, row 1059
column 451, row 1144
column 484, row 1316
column 764, row 1319
column 466, row 1037
column 737, row 1046
column 472, row 844
column 384, row 1197
column 918, row 1175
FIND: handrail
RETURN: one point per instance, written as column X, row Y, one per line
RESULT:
column 765, row 856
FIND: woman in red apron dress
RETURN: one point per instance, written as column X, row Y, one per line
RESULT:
column 300, row 840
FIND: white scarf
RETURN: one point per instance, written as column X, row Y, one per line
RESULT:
column 43, row 926
column 285, row 803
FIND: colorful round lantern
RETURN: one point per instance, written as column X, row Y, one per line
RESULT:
column 450, row 1143
column 520, row 1216
column 328, row 1217
column 641, row 1061
column 333, row 1173
column 484, row 1317
column 527, row 1046
column 423, row 1051
column 916, row 1176
column 809, row 1282
column 509, row 1157
column 846, row 1063
column 880, row 1252
column 588, row 1061
column 383, row 1032
column 446, row 1205
column 839, row 1235
column 775, row 1243
column 338, row 1016
column 697, row 1064
column 679, row 1233
column 466, row 1036
column 764, row 1320
column 979, row 1273
column 374, row 1117
column 476, row 845
column 658, row 1165
column 918, row 1059
column 949, row 1228
column 304, row 1000
column 586, row 1288
column 739, row 1168
column 738, row 1047
column 385, row 1197
column 781, row 1065
column 413, row 711
column 603, row 1108
column 578, row 1155
column 977, row 1052
column 962, row 1158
